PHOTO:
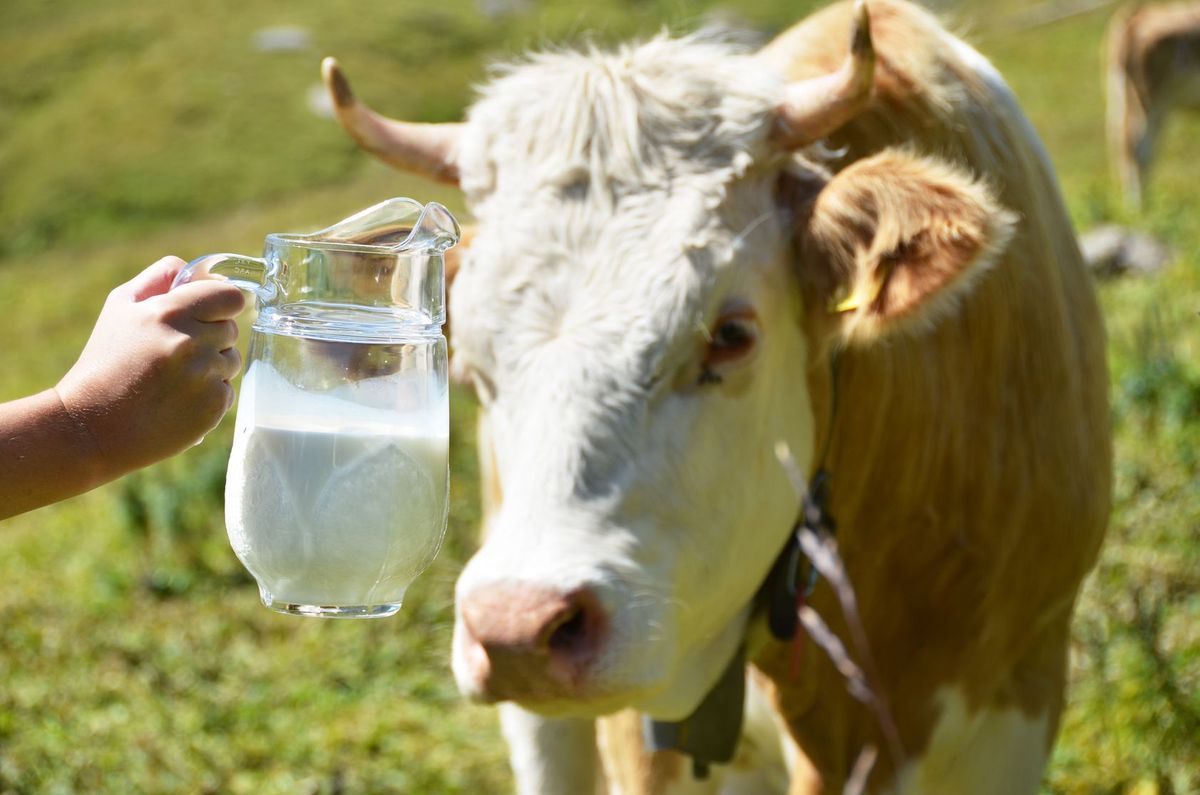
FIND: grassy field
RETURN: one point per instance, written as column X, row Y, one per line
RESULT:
column 134, row 656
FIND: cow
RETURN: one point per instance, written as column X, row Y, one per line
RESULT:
column 689, row 257
column 1152, row 68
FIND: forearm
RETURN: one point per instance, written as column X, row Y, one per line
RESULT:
column 45, row 455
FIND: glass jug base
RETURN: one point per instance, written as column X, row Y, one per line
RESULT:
column 332, row 611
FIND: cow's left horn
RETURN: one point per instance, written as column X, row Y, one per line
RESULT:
column 812, row 109
column 427, row 149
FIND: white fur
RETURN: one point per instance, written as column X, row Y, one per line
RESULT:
column 985, row 752
column 583, row 304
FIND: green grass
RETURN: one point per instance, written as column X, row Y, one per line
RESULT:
column 134, row 656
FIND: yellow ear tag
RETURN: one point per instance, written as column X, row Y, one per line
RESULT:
column 865, row 293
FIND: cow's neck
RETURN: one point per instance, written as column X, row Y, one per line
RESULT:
column 711, row 732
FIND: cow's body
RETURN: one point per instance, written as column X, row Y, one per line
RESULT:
column 633, row 499
column 1152, row 69
column 966, row 557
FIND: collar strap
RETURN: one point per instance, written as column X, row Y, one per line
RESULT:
column 793, row 577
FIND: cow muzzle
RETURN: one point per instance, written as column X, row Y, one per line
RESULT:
column 530, row 643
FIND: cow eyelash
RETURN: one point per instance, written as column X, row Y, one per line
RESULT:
column 648, row 384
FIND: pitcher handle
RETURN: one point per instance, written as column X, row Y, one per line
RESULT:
column 252, row 274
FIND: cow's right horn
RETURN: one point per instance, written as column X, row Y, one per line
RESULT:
column 426, row 149
column 812, row 109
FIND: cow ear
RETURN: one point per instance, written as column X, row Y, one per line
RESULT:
column 453, row 259
column 894, row 240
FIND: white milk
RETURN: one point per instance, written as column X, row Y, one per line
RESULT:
column 328, row 502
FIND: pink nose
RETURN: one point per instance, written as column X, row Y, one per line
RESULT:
column 529, row 643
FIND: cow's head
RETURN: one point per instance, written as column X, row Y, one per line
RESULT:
column 657, row 267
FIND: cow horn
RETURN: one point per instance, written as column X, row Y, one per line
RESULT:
column 426, row 149
column 812, row 109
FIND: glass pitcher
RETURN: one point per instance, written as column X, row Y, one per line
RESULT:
column 336, row 493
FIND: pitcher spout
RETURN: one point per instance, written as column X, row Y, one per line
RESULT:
column 400, row 224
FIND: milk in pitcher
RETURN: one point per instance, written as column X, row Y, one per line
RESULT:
column 330, row 502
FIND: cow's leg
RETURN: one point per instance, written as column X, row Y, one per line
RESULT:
column 1143, row 152
column 1126, row 134
column 1130, row 167
column 764, row 760
column 632, row 770
column 551, row 756
column 1123, row 116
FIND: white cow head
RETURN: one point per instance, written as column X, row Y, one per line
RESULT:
column 655, row 273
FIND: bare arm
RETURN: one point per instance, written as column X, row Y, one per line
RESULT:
column 44, row 455
column 152, row 380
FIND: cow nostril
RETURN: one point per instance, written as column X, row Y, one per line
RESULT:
column 528, row 642
column 571, row 633
column 577, row 632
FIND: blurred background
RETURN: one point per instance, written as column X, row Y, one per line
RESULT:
column 134, row 655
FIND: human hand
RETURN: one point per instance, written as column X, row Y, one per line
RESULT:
column 154, row 376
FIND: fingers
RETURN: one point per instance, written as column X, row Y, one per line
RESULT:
column 154, row 280
column 229, row 364
column 213, row 395
column 214, row 335
column 209, row 414
column 208, row 300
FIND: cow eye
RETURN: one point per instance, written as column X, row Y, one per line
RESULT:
column 733, row 335
column 732, row 338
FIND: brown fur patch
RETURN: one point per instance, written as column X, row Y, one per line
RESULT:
column 971, row 463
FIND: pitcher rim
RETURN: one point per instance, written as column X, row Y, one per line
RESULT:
column 440, row 242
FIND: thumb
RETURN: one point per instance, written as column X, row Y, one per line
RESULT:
column 155, row 280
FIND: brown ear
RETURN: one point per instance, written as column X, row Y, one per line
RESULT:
column 895, row 239
column 453, row 261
